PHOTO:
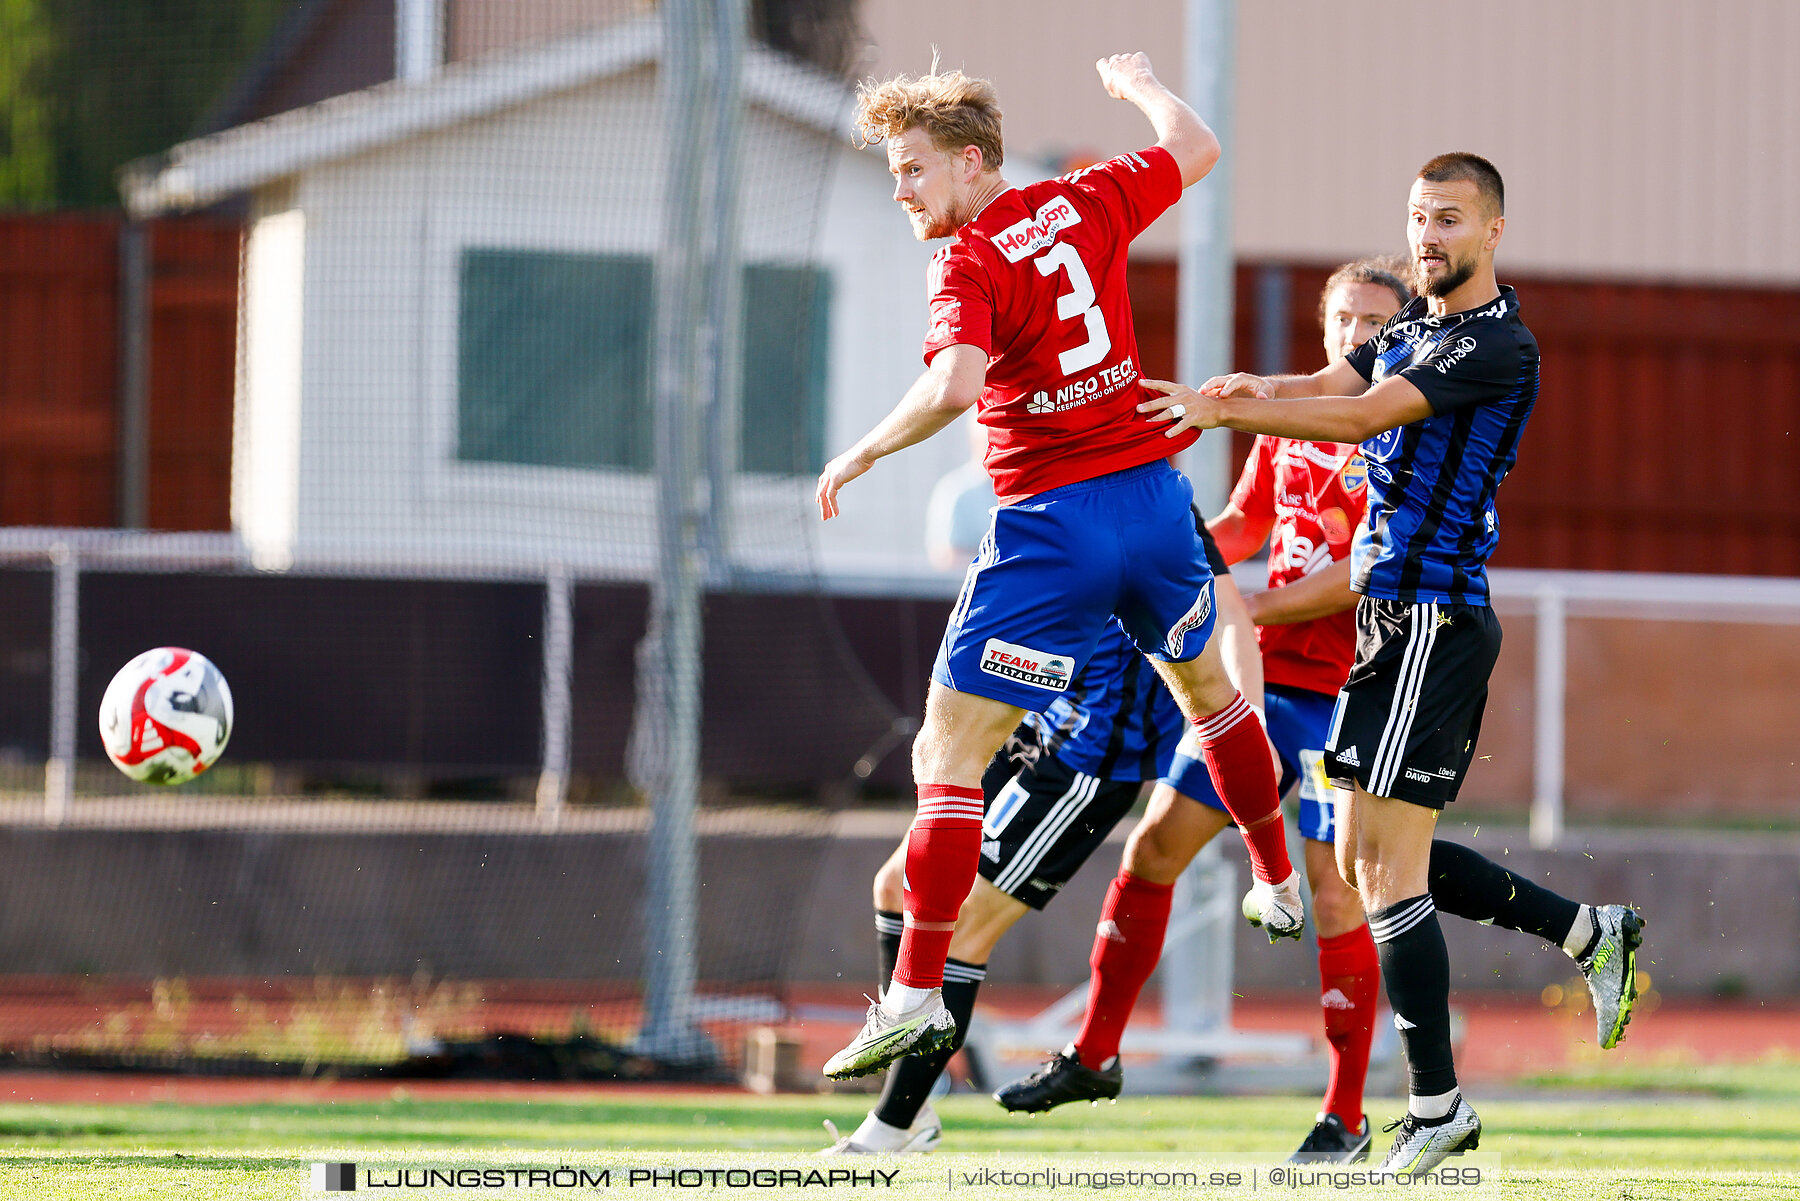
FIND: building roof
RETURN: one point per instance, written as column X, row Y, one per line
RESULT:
column 208, row 169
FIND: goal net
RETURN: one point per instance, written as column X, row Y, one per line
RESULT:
column 454, row 378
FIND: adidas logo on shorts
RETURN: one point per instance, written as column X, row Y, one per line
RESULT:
column 1348, row 755
column 990, row 847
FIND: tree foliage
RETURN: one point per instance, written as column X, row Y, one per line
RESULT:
column 88, row 85
column 27, row 146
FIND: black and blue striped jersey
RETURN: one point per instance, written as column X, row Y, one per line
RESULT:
column 1431, row 523
column 1117, row 721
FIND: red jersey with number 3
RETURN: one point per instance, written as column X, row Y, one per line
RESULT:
column 1036, row 281
column 1317, row 493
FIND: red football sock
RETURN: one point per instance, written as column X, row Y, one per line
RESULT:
column 1127, row 944
column 1237, row 759
column 943, row 850
column 1349, row 980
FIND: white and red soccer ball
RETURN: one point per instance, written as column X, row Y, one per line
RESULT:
column 166, row 716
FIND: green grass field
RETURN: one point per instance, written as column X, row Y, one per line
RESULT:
column 1669, row 1133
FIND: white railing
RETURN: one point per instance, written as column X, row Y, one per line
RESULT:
column 69, row 552
column 1556, row 596
column 1551, row 597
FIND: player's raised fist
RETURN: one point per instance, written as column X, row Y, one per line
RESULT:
column 1123, row 73
column 1238, row 384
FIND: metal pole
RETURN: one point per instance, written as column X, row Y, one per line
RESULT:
column 418, row 39
column 1196, row 971
column 666, row 732
column 1205, row 313
column 1274, row 297
column 1196, row 974
column 1548, row 729
column 724, row 290
column 559, row 652
column 134, row 374
column 65, row 652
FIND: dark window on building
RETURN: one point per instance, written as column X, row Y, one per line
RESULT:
column 554, row 362
column 786, row 339
column 553, row 359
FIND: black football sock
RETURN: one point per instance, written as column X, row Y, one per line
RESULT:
column 888, row 926
column 1467, row 884
column 1416, row 969
column 909, row 1081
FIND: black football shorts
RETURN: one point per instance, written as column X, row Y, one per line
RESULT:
column 1409, row 714
column 1043, row 823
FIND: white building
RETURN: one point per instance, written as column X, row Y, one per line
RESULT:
column 446, row 318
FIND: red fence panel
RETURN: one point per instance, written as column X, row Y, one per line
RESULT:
column 1665, row 438
column 58, row 369
column 1667, row 434
column 193, row 372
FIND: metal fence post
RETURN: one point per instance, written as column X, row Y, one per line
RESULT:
column 1206, row 281
column 1549, row 732
column 558, row 714
column 65, row 651
column 666, row 726
column 1196, row 970
column 134, row 374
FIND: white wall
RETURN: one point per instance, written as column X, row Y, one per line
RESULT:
column 265, row 471
column 1650, row 139
column 377, row 476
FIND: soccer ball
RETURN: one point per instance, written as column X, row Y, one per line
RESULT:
column 166, row 716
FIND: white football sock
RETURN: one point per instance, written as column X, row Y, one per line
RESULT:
column 1581, row 933
column 899, row 998
column 877, row 1135
column 1069, row 1052
column 1432, row 1107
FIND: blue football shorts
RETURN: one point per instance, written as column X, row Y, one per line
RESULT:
column 1298, row 721
column 1054, row 569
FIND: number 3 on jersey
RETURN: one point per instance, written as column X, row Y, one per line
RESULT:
column 1078, row 301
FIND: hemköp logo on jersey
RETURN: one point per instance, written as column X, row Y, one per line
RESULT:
column 1026, row 238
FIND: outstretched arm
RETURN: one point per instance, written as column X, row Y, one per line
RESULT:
column 1238, row 534
column 948, row 386
column 1179, row 129
column 1324, row 592
column 1243, row 402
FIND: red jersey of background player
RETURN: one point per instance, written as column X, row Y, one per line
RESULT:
column 1317, row 492
column 1036, row 280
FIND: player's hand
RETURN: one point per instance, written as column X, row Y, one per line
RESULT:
column 1182, row 407
column 837, row 473
column 1240, row 384
column 1123, row 74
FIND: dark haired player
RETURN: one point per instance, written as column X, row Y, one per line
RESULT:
column 1306, row 498
column 1438, row 399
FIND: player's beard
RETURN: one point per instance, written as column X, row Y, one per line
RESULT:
column 1454, row 276
column 940, row 223
column 933, row 226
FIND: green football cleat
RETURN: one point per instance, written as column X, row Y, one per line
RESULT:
column 1422, row 1145
column 1610, row 969
column 884, row 1038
